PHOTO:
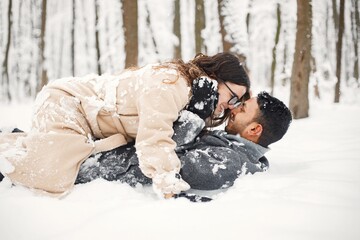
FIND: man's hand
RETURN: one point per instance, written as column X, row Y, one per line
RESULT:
column 204, row 97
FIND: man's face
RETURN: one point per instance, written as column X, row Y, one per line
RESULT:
column 242, row 118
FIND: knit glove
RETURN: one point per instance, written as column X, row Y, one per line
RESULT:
column 169, row 182
column 204, row 97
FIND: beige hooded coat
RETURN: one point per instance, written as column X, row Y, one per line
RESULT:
column 77, row 117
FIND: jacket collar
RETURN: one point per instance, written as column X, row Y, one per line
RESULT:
column 255, row 150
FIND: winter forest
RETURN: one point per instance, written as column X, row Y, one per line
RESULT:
column 304, row 52
column 301, row 50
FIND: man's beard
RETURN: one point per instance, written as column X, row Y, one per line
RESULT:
column 235, row 129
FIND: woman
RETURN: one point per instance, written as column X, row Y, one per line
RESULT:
column 77, row 117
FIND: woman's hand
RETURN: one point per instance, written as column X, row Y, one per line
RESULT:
column 168, row 183
column 204, row 97
column 168, row 195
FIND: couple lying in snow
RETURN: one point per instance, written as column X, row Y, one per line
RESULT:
column 76, row 118
column 210, row 160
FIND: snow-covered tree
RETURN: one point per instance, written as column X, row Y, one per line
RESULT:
column 87, row 36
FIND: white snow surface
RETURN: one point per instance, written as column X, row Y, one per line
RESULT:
column 311, row 191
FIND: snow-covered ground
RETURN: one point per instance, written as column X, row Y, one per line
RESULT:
column 312, row 191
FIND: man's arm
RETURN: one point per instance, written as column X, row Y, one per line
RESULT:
column 214, row 162
column 211, row 168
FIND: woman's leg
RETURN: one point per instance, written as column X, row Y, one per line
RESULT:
column 48, row 157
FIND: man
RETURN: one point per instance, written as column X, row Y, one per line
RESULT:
column 263, row 120
column 209, row 159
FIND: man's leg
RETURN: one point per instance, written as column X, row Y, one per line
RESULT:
column 119, row 164
column 13, row 130
column 16, row 130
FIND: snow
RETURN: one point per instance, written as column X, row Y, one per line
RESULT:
column 217, row 167
column 199, row 105
column 6, row 166
column 311, row 191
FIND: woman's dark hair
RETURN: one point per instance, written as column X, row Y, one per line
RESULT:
column 221, row 67
column 224, row 67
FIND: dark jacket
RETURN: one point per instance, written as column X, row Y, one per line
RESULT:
column 210, row 159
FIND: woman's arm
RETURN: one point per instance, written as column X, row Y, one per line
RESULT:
column 158, row 108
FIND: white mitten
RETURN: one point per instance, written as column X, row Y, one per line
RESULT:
column 169, row 182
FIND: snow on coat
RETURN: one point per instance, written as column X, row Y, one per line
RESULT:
column 209, row 161
column 77, row 117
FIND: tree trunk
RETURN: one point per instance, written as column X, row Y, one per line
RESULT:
column 355, row 19
column 335, row 16
column 199, row 25
column 1, row 23
column 130, row 18
column 18, row 43
column 339, row 50
column 97, row 42
column 285, row 79
column 35, row 29
column 29, row 90
column 109, row 62
column 299, row 99
column 5, row 67
column 327, row 38
column 61, row 50
column 86, row 33
column 152, row 34
column 226, row 44
column 273, row 64
column 73, row 39
column 177, row 29
column 44, row 77
column 248, row 17
column 313, row 70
